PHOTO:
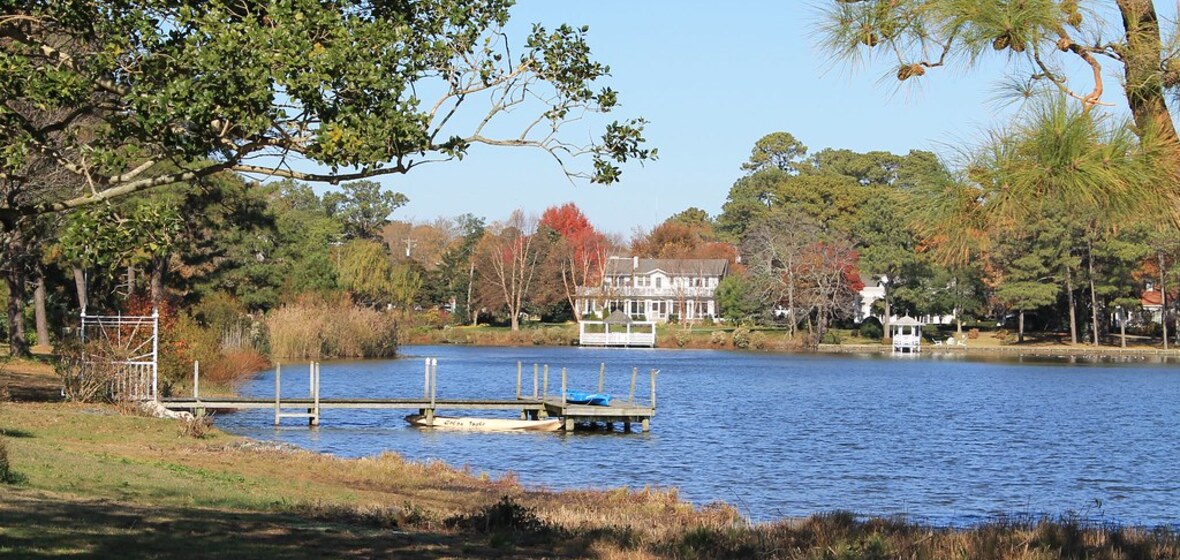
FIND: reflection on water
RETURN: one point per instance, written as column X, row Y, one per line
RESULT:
column 943, row 439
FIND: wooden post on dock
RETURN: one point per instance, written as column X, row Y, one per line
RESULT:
column 433, row 384
column 426, row 382
column 545, row 382
column 601, row 376
column 634, row 375
column 196, row 380
column 314, row 419
column 278, row 388
column 518, row 368
column 563, row 387
column 536, row 380
column 654, row 372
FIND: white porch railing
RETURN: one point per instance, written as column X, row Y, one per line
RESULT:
column 617, row 335
column 666, row 292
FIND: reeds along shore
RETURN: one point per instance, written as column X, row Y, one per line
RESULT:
column 127, row 483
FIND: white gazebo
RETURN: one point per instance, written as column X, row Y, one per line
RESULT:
column 617, row 330
column 906, row 333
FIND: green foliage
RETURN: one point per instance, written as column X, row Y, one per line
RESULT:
column 363, row 208
column 736, row 298
column 871, row 329
column 777, row 150
column 336, row 83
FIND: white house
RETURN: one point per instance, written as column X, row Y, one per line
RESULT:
column 656, row 289
column 874, row 291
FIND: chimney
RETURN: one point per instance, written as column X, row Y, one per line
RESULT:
column 634, row 263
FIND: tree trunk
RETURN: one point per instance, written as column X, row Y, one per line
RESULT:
column 1163, row 301
column 1123, row 328
column 1142, row 78
column 12, row 251
column 1020, row 328
column 130, row 280
column 470, row 286
column 39, row 312
column 888, row 336
column 1093, row 294
column 1073, row 312
column 159, row 271
column 18, row 347
column 80, row 286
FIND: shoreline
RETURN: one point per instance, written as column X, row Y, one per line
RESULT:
column 1015, row 351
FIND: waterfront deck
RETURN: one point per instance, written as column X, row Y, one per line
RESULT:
column 541, row 404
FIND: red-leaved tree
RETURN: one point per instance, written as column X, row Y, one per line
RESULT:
column 577, row 253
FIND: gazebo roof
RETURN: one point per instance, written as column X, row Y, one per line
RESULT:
column 906, row 321
column 617, row 317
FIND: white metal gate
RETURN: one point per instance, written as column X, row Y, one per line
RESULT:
column 135, row 341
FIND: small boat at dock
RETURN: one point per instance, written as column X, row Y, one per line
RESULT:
column 583, row 397
column 484, row 424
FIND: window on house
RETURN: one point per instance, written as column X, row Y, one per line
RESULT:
column 659, row 282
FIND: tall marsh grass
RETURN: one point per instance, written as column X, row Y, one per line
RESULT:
column 331, row 329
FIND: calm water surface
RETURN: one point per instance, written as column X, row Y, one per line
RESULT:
column 943, row 441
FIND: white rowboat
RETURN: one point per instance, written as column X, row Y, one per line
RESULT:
column 484, row 424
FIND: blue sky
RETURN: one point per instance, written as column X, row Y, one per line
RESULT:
column 712, row 78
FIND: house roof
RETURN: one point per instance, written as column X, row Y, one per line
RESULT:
column 1150, row 298
column 616, row 266
column 617, row 317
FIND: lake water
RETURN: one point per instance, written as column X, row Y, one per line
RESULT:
column 948, row 441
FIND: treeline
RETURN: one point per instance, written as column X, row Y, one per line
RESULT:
column 945, row 242
column 239, row 273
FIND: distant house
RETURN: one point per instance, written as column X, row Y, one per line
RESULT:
column 874, row 291
column 655, row 289
column 1152, row 302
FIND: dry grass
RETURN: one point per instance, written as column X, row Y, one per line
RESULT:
column 331, row 329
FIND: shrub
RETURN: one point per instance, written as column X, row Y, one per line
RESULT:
column 741, row 338
column 758, row 340
column 505, row 516
column 718, row 338
column 871, row 329
column 973, row 334
column 196, row 426
column 831, row 337
column 89, row 372
column 7, row 475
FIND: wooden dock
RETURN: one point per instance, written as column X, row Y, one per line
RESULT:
column 540, row 404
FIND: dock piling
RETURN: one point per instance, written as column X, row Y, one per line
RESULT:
column 536, row 378
column 545, row 382
column 634, row 375
column 433, row 383
column 518, row 368
column 601, row 376
column 278, row 389
column 196, row 380
column 563, row 391
column 314, row 419
column 654, row 372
